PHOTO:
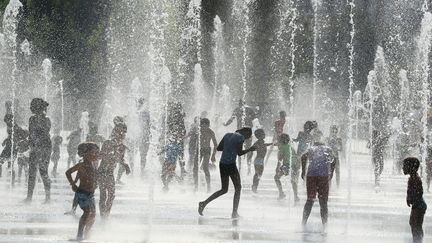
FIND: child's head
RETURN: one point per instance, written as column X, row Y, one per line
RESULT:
column 118, row 120
column 410, row 165
column 282, row 114
column 88, row 151
column 119, row 132
column 308, row 126
column 333, row 130
column 246, row 132
column 58, row 139
column 284, row 138
column 205, row 122
column 38, row 106
column 259, row 134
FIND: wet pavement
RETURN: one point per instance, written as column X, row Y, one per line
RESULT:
column 142, row 212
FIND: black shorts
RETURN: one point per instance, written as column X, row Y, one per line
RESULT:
column 228, row 169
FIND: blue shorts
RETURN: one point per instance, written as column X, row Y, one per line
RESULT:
column 85, row 199
column 173, row 152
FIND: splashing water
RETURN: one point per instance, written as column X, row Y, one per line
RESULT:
column 47, row 74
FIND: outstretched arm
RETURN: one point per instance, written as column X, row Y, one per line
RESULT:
column 240, row 150
column 227, row 123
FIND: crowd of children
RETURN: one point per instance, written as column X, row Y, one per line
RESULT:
column 315, row 159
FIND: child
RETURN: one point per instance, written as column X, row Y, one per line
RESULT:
column 18, row 135
column 278, row 128
column 72, row 147
column 286, row 158
column 231, row 147
column 261, row 150
column 40, row 147
column 304, row 139
column 112, row 153
column 415, row 198
column 206, row 136
column 319, row 172
column 335, row 143
column 174, row 149
column 55, row 156
column 84, row 193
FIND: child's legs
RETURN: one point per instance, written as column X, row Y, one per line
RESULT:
column 55, row 162
column 90, row 221
column 205, row 165
column 32, row 174
column 86, row 221
column 224, row 186
column 195, row 161
column 294, row 180
column 43, row 170
column 235, row 178
column 277, row 177
column 416, row 223
column 102, row 196
column 110, row 193
column 258, row 173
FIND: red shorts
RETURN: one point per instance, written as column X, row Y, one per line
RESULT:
column 317, row 184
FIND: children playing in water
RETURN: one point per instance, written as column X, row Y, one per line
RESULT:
column 206, row 135
column 112, row 153
column 40, row 147
column 415, row 198
column 261, row 150
column 286, row 158
column 84, row 193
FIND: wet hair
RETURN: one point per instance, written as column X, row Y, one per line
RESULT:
column 245, row 131
column 259, row 133
column 38, row 105
column 84, row 148
column 282, row 113
column 204, row 121
column 411, row 164
column 284, row 138
column 118, row 120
